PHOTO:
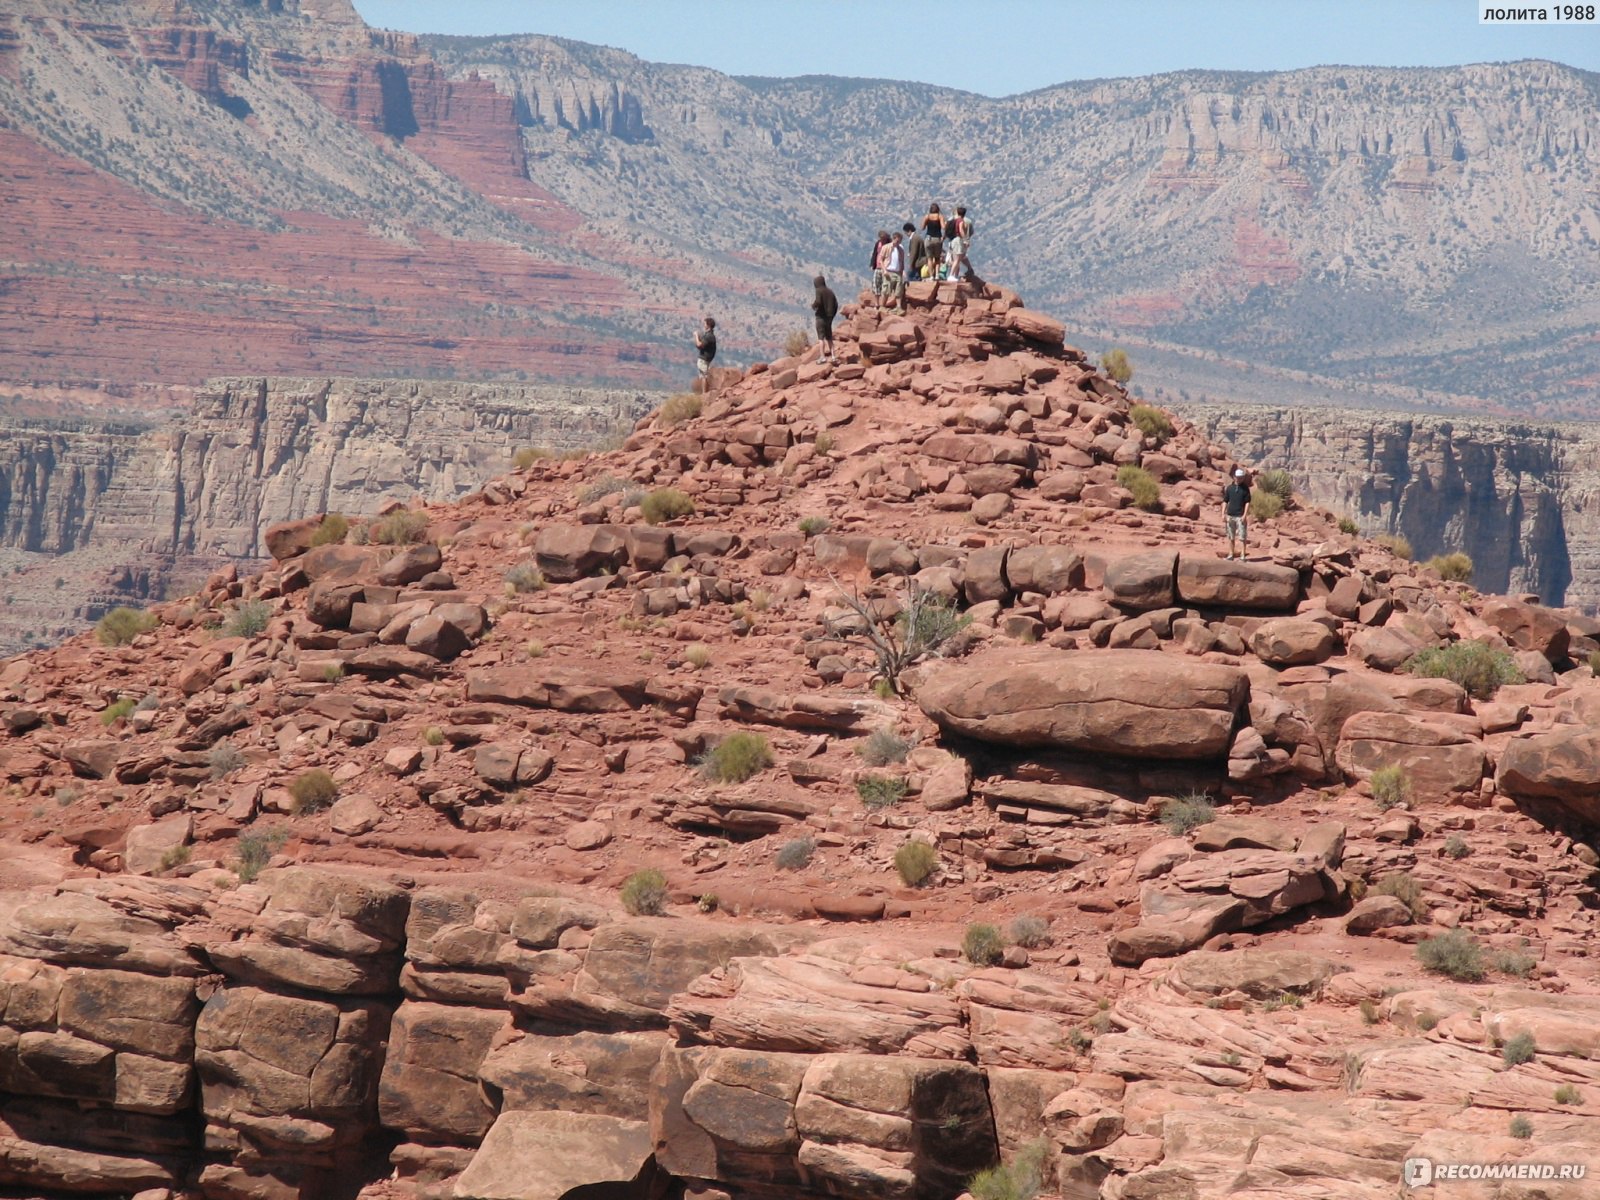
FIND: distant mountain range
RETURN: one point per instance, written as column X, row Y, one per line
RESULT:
column 194, row 188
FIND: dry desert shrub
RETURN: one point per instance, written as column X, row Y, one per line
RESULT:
column 915, row 861
column 644, row 893
column 313, row 791
column 680, row 408
column 121, row 625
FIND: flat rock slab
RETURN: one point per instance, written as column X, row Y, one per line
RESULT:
column 545, row 1155
column 1127, row 702
column 1257, row 973
column 1226, row 583
column 1142, row 581
column 802, row 711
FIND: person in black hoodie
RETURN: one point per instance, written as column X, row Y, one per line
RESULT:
column 826, row 307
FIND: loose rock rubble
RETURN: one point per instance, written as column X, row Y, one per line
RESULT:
column 1162, row 772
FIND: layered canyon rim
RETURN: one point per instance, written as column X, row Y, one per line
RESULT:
column 843, row 778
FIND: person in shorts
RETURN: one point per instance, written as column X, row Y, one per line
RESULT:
column 960, row 249
column 705, row 345
column 826, row 307
column 894, row 276
column 933, row 239
column 877, row 261
column 1235, row 512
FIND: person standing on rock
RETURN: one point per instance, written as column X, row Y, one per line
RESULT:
column 877, row 262
column 933, row 238
column 826, row 307
column 955, row 245
column 1235, row 512
column 961, row 247
column 705, row 344
column 916, row 251
column 894, row 276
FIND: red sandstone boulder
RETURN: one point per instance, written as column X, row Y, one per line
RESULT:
column 1037, row 327
column 1128, row 702
column 92, row 759
column 1044, row 569
column 978, row 449
column 1563, row 766
column 548, row 1155
column 290, row 538
column 1142, row 581
column 410, row 565
column 437, row 638
column 1226, row 583
column 1440, row 755
column 1383, row 649
column 1529, row 626
column 570, row 552
column 339, row 563
column 1292, row 641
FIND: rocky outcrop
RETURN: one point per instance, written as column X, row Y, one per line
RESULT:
column 563, row 852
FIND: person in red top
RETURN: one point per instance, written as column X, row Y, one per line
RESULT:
column 876, row 265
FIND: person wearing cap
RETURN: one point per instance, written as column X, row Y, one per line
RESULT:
column 1235, row 510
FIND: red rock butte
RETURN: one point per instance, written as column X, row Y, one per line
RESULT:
column 869, row 773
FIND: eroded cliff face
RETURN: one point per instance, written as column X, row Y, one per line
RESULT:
column 117, row 510
column 1520, row 499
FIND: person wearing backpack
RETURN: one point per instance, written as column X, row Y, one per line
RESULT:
column 955, row 246
column 826, row 307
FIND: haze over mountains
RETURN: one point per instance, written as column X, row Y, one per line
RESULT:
column 200, row 187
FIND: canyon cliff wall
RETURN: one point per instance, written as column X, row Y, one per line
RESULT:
column 1518, row 498
column 117, row 511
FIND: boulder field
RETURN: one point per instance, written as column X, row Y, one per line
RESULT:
column 1052, row 834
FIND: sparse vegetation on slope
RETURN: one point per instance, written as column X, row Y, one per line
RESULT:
column 1477, row 666
column 121, row 625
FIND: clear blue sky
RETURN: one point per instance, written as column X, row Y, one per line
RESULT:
column 1006, row 46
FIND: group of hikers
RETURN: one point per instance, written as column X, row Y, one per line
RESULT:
column 938, row 250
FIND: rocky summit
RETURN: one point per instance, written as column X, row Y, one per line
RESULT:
column 870, row 773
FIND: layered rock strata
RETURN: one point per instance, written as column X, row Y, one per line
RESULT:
column 125, row 508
